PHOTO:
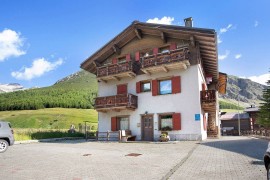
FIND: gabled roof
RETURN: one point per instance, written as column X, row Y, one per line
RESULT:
column 205, row 37
column 234, row 116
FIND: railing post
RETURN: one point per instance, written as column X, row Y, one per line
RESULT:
column 120, row 135
column 97, row 135
column 108, row 135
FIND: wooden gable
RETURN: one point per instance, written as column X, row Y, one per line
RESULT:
column 139, row 33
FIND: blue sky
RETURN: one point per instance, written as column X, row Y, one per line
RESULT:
column 43, row 41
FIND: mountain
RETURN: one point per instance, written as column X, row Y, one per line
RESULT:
column 249, row 91
column 10, row 87
column 75, row 91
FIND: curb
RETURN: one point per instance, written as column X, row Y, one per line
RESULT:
column 47, row 140
column 259, row 137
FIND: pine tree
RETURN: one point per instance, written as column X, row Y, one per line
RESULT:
column 264, row 114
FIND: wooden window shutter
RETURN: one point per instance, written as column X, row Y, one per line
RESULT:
column 113, row 124
column 176, row 84
column 154, row 87
column 128, row 57
column 122, row 89
column 173, row 46
column 176, row 121
column 114, row 60
column 138, row 87
column 137, row 56
column 155, row 50
column 203, row 87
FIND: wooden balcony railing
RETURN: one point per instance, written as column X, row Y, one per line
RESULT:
column 128, row 101
column 114, row 69
column 208, row 96
column 169, row 57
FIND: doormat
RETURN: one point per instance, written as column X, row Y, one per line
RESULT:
column 133, row 154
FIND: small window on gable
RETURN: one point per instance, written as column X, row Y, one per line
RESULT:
column 146, row 54
column 165, row 87
column 164, row 49
column 121, row 60
column 146, row 86
column 107, row 62
column 166, row 122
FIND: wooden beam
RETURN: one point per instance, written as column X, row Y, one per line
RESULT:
column 163, row 37
column 146, row 72
column 138, row 33
column 100, row 79
column 116, row 49
column 131, row 74
column 116, row 78
column 165, row 69
column 192, row 41
column 184, row 66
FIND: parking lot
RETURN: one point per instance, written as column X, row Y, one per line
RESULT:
column 227, row 158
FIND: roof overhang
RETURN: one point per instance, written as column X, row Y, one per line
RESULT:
column 206, row 38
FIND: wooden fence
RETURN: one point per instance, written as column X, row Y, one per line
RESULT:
column 261, row 132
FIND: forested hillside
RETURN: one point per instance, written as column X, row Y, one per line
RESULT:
column 74, row 91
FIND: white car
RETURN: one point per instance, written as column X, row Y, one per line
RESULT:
column 6, row 136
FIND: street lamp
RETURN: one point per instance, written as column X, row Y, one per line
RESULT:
column 238, row 116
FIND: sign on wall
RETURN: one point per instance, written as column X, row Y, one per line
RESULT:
column 197, row 117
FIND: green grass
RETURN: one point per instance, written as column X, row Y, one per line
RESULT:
column 50, row 118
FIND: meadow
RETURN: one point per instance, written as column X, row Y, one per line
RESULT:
column 49, row 122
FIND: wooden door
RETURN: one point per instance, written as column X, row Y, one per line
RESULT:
column 147, row 128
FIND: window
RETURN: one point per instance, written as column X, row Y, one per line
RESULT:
column 146, row 86
column 123, row 123
column 166, row 123
column 165, row 86
column 121, row 60
column 170, row 121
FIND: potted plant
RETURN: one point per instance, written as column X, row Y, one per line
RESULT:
column 164, row 137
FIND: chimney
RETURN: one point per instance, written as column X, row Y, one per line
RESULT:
column 188, row 22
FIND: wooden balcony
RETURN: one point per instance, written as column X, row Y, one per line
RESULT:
column 116, row 103
column 174, row 59
column 209, row 100
column 117, row 71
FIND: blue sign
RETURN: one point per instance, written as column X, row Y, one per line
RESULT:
column 197, row 117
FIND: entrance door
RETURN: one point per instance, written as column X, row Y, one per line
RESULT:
column 147, row 128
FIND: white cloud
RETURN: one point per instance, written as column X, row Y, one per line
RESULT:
column 218, row 39
column 223, row 30
column 262, row 79
column 11, row 43
column 165, row 20
column 224, row 56
column 38, row 68
column 238, row 56
column 256, row 23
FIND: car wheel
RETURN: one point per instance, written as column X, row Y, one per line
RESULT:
column 268, row 172
column 3, row 145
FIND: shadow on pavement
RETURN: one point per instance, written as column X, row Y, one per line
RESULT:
column 254, row 148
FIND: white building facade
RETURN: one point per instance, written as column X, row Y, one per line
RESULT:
column 150, row 84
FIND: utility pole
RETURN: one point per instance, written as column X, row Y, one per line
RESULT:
column 238, row 117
